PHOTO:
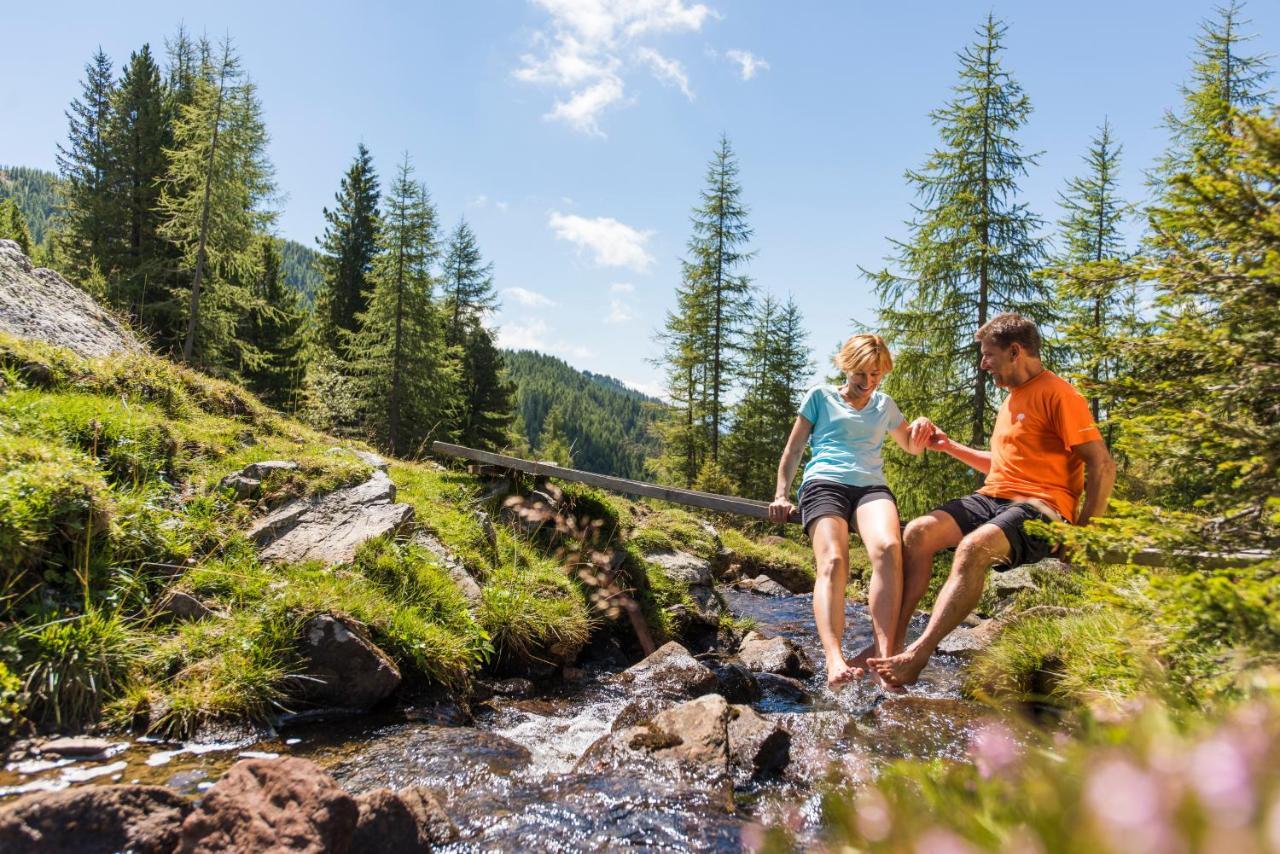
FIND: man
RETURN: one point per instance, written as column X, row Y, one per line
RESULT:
column 1045, row 450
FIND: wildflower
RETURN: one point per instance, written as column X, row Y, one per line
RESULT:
column 874, row 821
column 993, row 749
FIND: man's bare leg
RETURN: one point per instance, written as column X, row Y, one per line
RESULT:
column 878, row 528
column 831, row 557
column 924, row 538
column 958, row 597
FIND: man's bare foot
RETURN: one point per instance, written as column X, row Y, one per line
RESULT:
column 839, row 674
column 887, row 687
column 901, row 669
column 859, row 661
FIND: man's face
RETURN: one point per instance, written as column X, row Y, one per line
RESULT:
column 998, row 361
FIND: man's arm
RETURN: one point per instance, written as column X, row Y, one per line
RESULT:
column 980, row 460
column 1099, row 478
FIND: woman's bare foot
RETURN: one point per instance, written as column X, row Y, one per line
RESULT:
column 839, row 674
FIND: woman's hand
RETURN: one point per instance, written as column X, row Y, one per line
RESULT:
column 780, row 510
column 919, row 434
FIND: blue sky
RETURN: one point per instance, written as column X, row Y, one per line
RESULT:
column 573, row 134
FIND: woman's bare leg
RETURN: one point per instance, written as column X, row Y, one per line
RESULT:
column 830, row 536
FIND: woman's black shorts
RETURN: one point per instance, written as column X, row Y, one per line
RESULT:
column 820, row 498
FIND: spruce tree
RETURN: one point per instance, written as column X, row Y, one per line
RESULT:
column 214, row 201
column 467, row 283
column 484, row 409
column 13, row 226
column 681, row 435
column 137, row 137
column 398, row 352
column 272, row 330
column 971, row 254
column 84, row 165
column 349, row 246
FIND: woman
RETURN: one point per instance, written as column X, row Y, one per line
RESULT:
column 844, row 490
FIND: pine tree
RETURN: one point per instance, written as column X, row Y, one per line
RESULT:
column 85, row 167
column 554, row 443
column 681, row 435
column 1223, row 79
column 137, row 137
column 349, row 246
column 13, row 226
column 398, row 352
column 467, row 283
column 272, row 330
column 213, row 200
column 1096, row 294
column 971, row 255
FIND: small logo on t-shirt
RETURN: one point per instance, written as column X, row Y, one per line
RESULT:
column 1021, row 416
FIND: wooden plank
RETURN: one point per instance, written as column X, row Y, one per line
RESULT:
column 760, row 509
column 689, row 497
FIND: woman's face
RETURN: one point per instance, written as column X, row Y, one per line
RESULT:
column 864, row 380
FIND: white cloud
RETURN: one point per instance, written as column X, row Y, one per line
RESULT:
column 666, row 70
column 612, row 243
column 533, row 336
column 622, row 288
column 580, row 52
column 502, row 206
column 650, row 388
column 479, row 201
column 619, row 312
column 747, row 61
column 525, row 297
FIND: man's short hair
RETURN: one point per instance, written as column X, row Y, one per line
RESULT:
column 1007, row 329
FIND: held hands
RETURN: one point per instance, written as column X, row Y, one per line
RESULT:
column 780, row 510
column 923, row 434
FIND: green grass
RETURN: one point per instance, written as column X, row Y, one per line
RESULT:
column 781, row 555
column 664, row 528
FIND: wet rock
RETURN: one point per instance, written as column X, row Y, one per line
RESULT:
column 407, row 821
column 91, row 819
column 707, row 606
column 766, row 586
column 968, row 640
column 783, row 688
column 415, row 755
column 774, row 655
column 638, row 711
column 457, row 570
column 1010, row 583
column 671, row 671
column 443, row 712
column 513, row 687
column 683, row 567
column 737, row 683
column 343, row 667
column 38, row 303
column 272, row 805
column 182, row 606
column 330, row 528
column 758, row 747
column 81, row 748
column 691, row 740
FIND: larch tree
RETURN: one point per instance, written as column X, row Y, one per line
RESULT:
column 348, row 248
column 971, row 254
column 467, row 283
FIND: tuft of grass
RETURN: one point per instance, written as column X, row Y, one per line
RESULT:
column 782, row 555
column 531, row 610
column 447, row 503
column 663, row 528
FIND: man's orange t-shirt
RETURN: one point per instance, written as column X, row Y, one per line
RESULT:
column 1037, row 426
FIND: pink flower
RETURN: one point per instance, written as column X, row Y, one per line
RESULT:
column 994, row 749
column 1221, row 776
column 874, row 821
column 935, row 840
column 1127, row 803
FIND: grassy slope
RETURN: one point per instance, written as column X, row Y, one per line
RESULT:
column 108, row 498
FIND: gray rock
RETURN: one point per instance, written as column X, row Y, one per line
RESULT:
column 369, row 458
column 682, row 567
column 182, row 606
column 1006, row 584
column 783, row 688
column 93, row 819
column 708, row 604
column 242, row 487
column 78, row 747
column 737, row 683
column 774, row 655
column 39, row 304
column 330, row 528
column 968, row 640
column 467, row 585
column 342, row 667
column 691, row 740
column 766, row 586
column 672, row 672
column 758, row 747
column 260, row 470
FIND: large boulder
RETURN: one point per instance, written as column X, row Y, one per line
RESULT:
column 92, row 819
column 672, row 672
column 39, row 304
column 683, row 567
column 331, row 527
column 774, row 655
column 758, row 746
column 272, row 805
column 343, row 668
column 737, row 683
column 404, row 822
column 689, row 741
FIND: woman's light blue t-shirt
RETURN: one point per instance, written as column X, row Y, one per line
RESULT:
column 845, row 441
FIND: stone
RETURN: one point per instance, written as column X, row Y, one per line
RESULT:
column 783, row 688
column 241, row 487
column 331, row 527
column 766, row 586
column 342, row 666
column 774, row 655
column 758, row 747
column 92, row 819
column 683, row 567
column 77, row 747
column 513, row 687
column 1011, row 582
column 462, row 579
column 369, row 458
column 708, row 604
column 737, row 683
column 284, row 804
column 264, row 468
column 671, row 671
column 638, row 711
column 404, row 822
column 691, row 740
column 965, row 641
column 182, row 606
column 37, row 303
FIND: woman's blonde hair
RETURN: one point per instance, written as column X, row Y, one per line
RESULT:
column 862, row 351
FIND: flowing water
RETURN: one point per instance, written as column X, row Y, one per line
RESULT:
column 508, row 781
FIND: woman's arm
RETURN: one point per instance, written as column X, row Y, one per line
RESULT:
column 781, row 507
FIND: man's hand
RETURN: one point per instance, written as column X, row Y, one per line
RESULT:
column 938, row 440
column 780, row 510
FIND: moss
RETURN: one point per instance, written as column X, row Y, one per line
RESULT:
column 779, row 554
column 664, row 528
column 447, row 503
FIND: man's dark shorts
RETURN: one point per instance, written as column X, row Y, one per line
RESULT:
column 820, row 498
column 1007, row 515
